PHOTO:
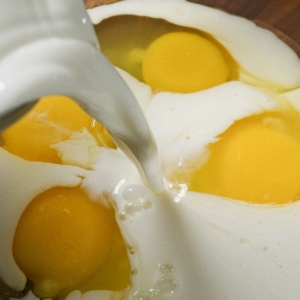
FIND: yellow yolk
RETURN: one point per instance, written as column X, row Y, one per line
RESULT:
column 113, row 274
column 62, row 239
column 52, row 120
column 184, row 62
column 256, row 160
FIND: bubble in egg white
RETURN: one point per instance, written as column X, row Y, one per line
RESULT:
column 166, row 269
column 142, row 296
column 137, row 198
column 134, row 193
column 133, row 209
column 166, row 285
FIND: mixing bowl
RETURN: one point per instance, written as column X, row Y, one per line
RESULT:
column 281, row 17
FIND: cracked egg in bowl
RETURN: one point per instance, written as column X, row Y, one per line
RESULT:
column 221, row 96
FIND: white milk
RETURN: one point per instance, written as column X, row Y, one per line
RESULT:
column 49, row 47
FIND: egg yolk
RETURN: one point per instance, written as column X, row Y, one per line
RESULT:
column 52, row 120
column 256, row 160
column 113, row 274
column 62, row 239
column 183, row 62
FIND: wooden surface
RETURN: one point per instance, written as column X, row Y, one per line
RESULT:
column 284, row 15
column 93, row 3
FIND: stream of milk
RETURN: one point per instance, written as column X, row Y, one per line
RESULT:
column 49, row 47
